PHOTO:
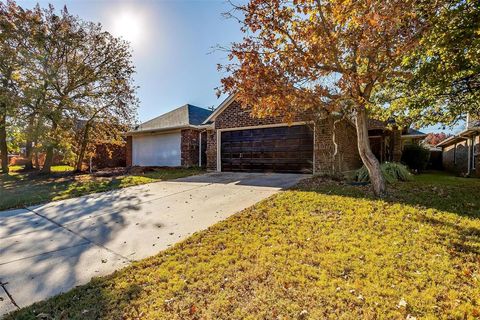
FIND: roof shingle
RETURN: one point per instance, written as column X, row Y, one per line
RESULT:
column 183, row 116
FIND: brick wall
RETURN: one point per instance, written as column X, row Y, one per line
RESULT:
column 211, row 150
column 324, row 147
column 397, row 144
column 347, row 157
column 128, row 152
column 236, row 116
column 190, row 147
column 458, row 151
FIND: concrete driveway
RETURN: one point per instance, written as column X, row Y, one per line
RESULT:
column 48, row 249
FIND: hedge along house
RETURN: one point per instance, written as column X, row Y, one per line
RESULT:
column 461, row 152
column 170, row 140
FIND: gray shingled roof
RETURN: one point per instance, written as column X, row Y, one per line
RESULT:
column 413, row 132
column 184, row 116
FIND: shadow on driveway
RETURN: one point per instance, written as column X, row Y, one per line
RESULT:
column 48, row 249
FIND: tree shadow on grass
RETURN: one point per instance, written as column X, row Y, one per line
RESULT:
column 460, row 196
column 456, row 205
column 19, row 190
column 92, row 301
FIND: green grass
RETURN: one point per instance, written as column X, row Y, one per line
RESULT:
column 19, row 189
column 325, row 250
column 62, row 168
column 59, row 168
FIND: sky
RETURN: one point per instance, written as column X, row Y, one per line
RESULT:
column 173, row 47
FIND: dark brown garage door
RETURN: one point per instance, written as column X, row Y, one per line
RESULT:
column 279, row 149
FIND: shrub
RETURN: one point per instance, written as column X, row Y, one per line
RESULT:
column 391, row 172
column 416, row 157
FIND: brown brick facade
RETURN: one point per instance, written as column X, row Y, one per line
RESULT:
column 211, row 150
column 397, row 144
column 326, row 160
column 455, row 157
column 190, row 147
column 348, row 157
column 128, row 152
column 234, row 116
column 335, row 152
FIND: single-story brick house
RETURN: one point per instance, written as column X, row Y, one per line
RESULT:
column 231, row 139
column 461, row 152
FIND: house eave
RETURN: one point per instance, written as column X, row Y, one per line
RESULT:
column 415, row 136
column 167, row 129
column 225, row 103
column 465, row 134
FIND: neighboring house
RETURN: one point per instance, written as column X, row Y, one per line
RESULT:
column 231, row 139
column 172, row 139
column 461, row 152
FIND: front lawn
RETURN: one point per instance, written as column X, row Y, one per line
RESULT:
column 19, row 189
column 323, row 250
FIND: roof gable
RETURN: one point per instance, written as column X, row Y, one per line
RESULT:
column 225, row 103
column 197, row 115
column 183, row 116
column 414, row 132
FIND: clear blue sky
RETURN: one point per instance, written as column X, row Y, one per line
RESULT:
column 172, row 47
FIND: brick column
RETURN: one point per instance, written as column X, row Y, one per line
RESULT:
column 324, row 147
column 397, row 144
column 211, row 150
column 128, row 152
column 189, row 147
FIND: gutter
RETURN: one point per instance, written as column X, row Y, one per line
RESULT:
column 406, row 136
column 158, row 130
column 465, row 134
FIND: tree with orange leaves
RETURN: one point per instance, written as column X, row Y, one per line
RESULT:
column 324, row 55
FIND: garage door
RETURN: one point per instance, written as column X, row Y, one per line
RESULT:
column 278, row 149
column 157, row 150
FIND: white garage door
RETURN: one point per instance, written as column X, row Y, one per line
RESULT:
column 157, row 150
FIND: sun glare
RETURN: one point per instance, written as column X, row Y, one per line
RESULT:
column 129, row 23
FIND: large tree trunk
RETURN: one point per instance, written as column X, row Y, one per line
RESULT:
column 83, row 148
column 3, row 143
column 47, row 166
column 368, row 158
column 29, row 154
column 29, row 145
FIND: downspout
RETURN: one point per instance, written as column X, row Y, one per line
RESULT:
column 200, row 148
column 469, row 157
column 335, row 144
